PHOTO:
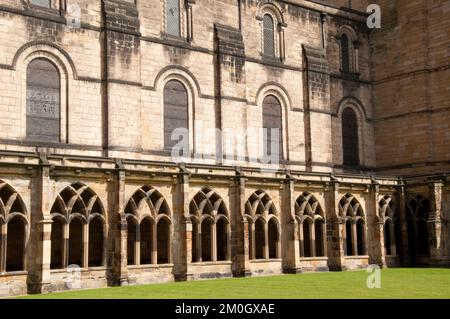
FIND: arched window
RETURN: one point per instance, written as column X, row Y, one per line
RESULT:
column 273, row 128
column 14, row 228
column 350, row 141
column 173, row 17
column 310, row 217
column 77, row 211
column 418, row 210
column 149, row 227
column 345, row 53
column 43, row 101
column 388, row 213
column 209, row 216
column 175, row 112
column 269, row 35
column 355, row 233
column 264, row 242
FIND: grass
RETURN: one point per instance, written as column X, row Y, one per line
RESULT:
column 395, row 284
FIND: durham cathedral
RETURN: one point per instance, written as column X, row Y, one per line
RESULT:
column 91, row 92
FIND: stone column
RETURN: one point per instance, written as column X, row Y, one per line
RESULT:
column 281, row 27
column 182, row 242
column 435, row 223
column 375, row 227
column 118, row 231
column 240, row 229
column 39, row 269
column 405, row 256
column 290, row 248
column 266, row 241
column 189, row 20
column 335, row 228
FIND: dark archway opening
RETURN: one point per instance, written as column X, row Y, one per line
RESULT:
column 206, row 240
column 273, row 239
column 222, row 244
column 15, row 247
column 387, row 238
column 76, row 242
column 422, row 234
column 259, row 239
column 348, row 237
column 318, row 225
column 57, row 242
column 163, row 236
column 146, row 241
column 131, row 241
column 360, row 237
column 306, row 239
column 96, row 243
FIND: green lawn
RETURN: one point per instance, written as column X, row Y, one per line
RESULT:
column 395, row 283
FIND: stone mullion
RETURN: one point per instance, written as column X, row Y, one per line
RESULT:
column 253, row 252
column 213, row 241
column 3, row 248
column 65, row 248
column 302, row 240
column 85, row 252
column 354, row 239
column 199, row 243
column 154, row 259
column 312, row 241
column 137, row 245
column 266, row 241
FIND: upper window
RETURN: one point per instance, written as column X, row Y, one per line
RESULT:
column 173, row 17
column 41, row 3
column 272, row 124
column 269, row 35
column 345, row 53
column 175, row 111
column 43, row 101
column 350, row 141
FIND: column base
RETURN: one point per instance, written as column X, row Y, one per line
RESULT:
column 183, row 277
column 292, row 271
column 242, row 273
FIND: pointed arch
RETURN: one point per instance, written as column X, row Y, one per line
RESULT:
column 149, row 221
column 209, row 215
column 311, row 226
column 78, row 210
